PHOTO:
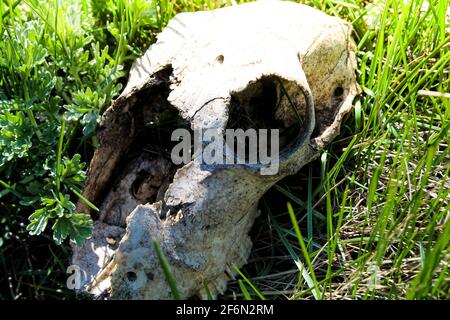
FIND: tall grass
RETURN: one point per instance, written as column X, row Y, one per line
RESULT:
column 384, row 184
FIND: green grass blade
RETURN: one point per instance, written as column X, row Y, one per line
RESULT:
column 167, row 272
column 258, row 293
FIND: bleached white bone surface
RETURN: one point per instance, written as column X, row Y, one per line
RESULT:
column 211, row 67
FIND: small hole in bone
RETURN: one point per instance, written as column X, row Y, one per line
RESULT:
column 338, row 92
column 220, row 59
column 111, row 240
column 138, row 182
column 131, row 276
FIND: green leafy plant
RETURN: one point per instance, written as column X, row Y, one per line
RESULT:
column 61, row 63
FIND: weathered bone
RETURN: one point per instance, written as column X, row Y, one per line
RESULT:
column 218, row 69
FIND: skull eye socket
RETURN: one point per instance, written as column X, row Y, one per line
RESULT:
column 254, row 107
column 269, row 104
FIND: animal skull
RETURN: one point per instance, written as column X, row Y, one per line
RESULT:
column 258, row 65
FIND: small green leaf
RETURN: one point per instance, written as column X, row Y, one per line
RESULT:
column 38, row 222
